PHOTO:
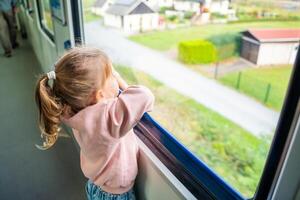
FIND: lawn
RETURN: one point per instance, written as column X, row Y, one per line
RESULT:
column 88, row 15
column 168, row 39
column 254, row 82
column 231, row 151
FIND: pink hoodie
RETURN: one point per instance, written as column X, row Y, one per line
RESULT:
column 108, row 146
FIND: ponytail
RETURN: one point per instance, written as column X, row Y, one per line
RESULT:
column 74, row 83
column 50, row 109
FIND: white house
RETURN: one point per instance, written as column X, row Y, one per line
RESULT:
column 131, row 16
column 270, row 46
column 218, row 6
column 187, row 5
column 100, row 6
column 157, row 4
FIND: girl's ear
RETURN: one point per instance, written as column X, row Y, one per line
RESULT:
column 95, row 97
column 99, row 95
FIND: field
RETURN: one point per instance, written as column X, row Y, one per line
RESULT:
column 254, row 82
column 231, row 151
column 168, row 39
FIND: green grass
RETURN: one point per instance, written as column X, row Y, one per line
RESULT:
column 88, row 15
column 258, row 6
column 88, row 3
column 232, row 152
column 168, row 39
column 254, row 82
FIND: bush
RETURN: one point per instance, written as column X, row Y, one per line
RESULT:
column 163, row 9
column 188, row 14
column 172, row 18
column 215, row 15
column 196, row 52
column 227, row 45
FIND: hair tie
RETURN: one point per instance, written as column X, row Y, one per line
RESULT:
column 51, row 75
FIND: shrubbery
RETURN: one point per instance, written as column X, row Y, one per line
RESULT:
column 227, row 45
column 172, row 18
column 163, row 9
column 216, row 15
column 188, row 14
column 196, row 52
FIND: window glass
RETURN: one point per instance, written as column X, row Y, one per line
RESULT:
column 46, row 17
column 219, row 71
column 29, row 6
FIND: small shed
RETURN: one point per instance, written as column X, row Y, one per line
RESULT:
column 270, row 46
column 131, row 16
column 100, row 6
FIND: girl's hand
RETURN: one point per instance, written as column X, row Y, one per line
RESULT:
column 122, row 83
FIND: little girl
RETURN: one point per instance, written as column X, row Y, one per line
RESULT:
column 84, row 94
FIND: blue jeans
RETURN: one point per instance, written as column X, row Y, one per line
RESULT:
column 94, row 192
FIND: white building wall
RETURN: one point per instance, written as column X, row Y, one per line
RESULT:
column 156, row 4
column 186, row 6
column 132, row 23
column 277, row 53
column 101, row 11
column 137, row 23
column 150, row 21
column 165, row 3
column 97, row 11
column 113, row 20
column 221, row 7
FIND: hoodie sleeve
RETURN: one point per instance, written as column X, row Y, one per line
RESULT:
column 126, row 110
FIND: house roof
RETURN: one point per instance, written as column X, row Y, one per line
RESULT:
column 276, row 35
column 99, row 3
column 127, row 7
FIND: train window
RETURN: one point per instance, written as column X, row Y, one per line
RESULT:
column 46, row 18
column 29, row 6
column 219, row 71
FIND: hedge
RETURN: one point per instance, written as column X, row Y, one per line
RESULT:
column 196, row 52
column 227, row 45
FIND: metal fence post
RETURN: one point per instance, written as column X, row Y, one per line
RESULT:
column 216, row 70
column 239, row 80
column 267, row 93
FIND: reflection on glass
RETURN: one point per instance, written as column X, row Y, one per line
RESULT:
column 46, row 16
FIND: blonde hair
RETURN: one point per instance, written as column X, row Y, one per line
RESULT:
column 79, row 73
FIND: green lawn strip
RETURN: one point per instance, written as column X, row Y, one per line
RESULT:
column 88, row 15
column 167, row 39
column 232, row 152
column 254, row 82
column 87, row 3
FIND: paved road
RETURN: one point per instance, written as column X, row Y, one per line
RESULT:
column 239, row 108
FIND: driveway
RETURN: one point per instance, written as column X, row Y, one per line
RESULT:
column 233, row 105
